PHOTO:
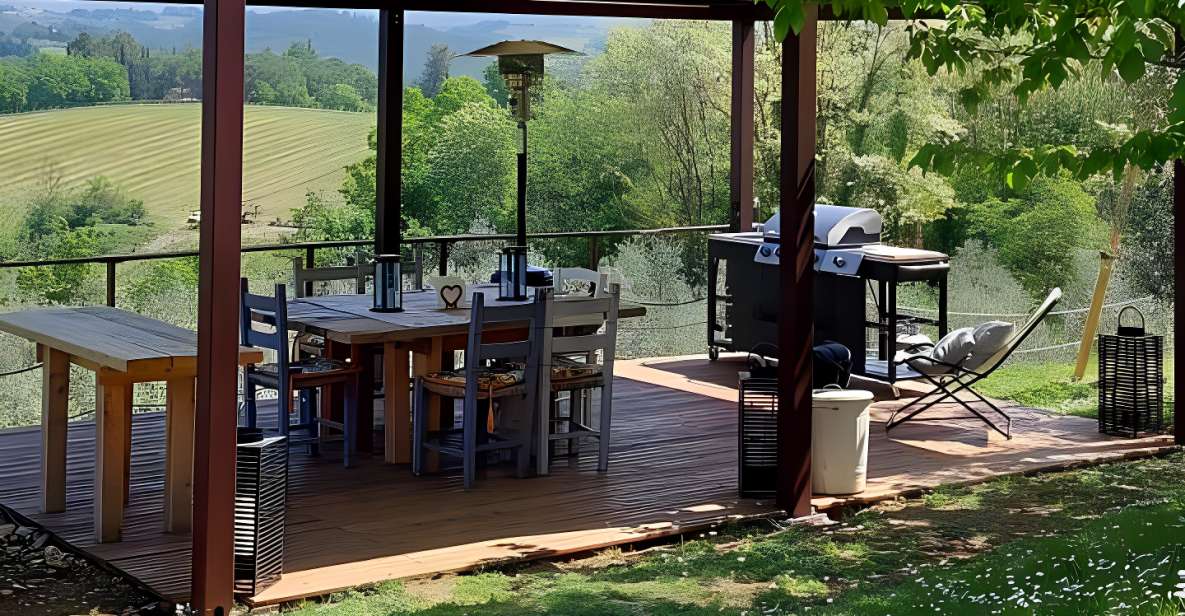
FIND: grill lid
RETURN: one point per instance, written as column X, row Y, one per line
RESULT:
column 835, row 226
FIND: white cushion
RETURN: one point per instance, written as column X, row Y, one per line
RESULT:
column 952, row 349
column 989, row 338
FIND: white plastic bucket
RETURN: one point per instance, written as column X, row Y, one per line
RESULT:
column 839, row 440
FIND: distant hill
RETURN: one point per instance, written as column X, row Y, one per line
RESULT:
column 153, row 152
column 346, row 34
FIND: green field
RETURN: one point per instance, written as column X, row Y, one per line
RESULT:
column 153, row 152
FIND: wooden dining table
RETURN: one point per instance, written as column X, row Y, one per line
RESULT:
column 423, row 331
column 122, row 348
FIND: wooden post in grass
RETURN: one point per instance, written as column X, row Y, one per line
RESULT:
column 1106, row 267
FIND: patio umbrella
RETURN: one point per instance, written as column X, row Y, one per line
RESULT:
column 521, row 64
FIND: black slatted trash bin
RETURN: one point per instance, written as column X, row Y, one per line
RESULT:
column 1131, row 380
column 261, row 487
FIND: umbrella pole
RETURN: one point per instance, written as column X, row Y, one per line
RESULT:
column 521, row 240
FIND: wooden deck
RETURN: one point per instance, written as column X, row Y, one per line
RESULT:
column 672, row 470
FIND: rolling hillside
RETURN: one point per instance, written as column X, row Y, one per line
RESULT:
column 153, row 151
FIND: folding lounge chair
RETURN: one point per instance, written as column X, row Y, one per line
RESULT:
column 950, row 379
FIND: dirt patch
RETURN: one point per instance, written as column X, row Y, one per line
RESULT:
column 42, row 576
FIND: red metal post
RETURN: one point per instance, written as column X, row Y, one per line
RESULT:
column 796, row 323
column 741, row 173
column 389, row 135
column 218, row 307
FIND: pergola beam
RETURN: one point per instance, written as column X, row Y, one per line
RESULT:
column 741, row 169
column 796, row 322
column 216, row 418
column 389, row 133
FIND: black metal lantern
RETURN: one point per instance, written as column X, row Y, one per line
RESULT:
column 388, row 284
column 512, row 273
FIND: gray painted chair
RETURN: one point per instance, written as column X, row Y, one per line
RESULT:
column 263, row 323
column 484, row 380
column 575, row 330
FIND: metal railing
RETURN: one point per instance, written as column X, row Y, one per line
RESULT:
column 441, row 242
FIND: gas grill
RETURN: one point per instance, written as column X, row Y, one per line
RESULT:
column 849, row 257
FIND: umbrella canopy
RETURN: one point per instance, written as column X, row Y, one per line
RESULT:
column 520, row 48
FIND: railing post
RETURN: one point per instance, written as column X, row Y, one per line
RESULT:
column 594, row 252
column 111, row 283
column 418, row 254
column 443, row 250
column 310, row 256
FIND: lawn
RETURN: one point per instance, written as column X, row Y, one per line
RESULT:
column 153, row 152
column 1048, row 385
column 1102, row 540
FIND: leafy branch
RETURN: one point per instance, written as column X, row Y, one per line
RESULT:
column 1024, row 47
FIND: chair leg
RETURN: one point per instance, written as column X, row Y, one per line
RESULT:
column 543, row 443
column 350, row 421
column 603, row 428
column 469, row 442
column 419, row 404
column 313, row 397
column 249, row 399
column 283, row 407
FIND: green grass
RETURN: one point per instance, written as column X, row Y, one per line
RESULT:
column 1082, row 542
column 153, row 152
column 1049, row 386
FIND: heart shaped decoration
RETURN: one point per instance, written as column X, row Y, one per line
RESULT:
column 451, row 295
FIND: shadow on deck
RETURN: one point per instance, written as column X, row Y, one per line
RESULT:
column 672, row 469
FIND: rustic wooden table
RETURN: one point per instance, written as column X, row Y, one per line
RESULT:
column 122, row 348
column 427, row 332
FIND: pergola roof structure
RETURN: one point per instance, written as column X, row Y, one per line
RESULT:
column 221, row 182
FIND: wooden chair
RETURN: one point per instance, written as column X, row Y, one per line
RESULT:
column 598, row 282
column 570, row 365
column 480, row 380
column 264, row 324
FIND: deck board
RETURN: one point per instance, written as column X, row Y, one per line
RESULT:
column 672, row 468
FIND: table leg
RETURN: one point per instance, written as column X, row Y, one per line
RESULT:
column 396, row 405
column 423, row 363
column 179, row 416
column 110, row 434
column 127, row 444
column 363, row 356
column 55, row 402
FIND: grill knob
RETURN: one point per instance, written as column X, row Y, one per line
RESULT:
column 778, row 251
column 765, row 251
column 839, row 261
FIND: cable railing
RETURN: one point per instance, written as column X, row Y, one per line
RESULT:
column 442, row 244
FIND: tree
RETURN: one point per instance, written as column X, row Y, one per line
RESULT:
column 435, row 69
column 342, row 97
column 1023, row 48
column 1038, row 230
column 471, row 166
column 61, row 284
column 495, row 85
column 14, row 87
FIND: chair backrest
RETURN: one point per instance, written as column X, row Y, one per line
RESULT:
column 588, row 313
column 305, row 278
column 1019, row 335
column 484, row 318
column 597, row 281
column 263, row 320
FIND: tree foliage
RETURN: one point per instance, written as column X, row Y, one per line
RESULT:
column 1024, row 48
column 435, row 70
